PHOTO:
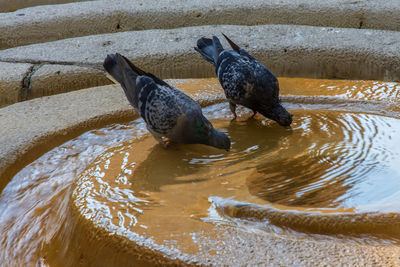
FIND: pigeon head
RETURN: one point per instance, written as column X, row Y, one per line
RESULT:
column 204, row 133
column 270, row 104
column 219, row 140
column 279, row 114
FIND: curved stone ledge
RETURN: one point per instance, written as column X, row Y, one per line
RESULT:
column 36, row 25
column 287, row 50
column 28, row 81
column 12, row 76
column 54, row 79
column 12, row 5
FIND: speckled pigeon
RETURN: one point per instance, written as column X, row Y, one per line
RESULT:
column 245, row 80
column 168, row 112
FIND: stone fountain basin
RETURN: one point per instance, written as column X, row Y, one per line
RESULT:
column 238, row 245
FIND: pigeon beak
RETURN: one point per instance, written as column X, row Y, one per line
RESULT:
column 286, row 121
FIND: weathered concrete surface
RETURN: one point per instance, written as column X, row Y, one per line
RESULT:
column 11, row 81
column 22, row 81
column 12, row 5
column 287, row 50
column 36, row 25
column 55, row 79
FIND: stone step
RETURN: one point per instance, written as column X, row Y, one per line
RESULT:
column 287, row 50
column 38, row 24
column 13, row 5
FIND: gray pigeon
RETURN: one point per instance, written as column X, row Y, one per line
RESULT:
column 168, row 112
column 245, row 80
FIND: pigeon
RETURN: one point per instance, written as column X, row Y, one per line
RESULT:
column 169, row 113
column 244, row 79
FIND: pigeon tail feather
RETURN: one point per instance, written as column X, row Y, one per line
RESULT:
column 218, row 48
column 232, row 44
column 122, row 70
column 111, row 66
column 141, row 72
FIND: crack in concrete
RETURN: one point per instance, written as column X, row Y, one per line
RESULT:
column 97, row 66
column 26, row 83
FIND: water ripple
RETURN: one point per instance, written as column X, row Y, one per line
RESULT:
column 341, row 160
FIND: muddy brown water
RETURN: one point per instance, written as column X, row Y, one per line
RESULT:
column 340, row 157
